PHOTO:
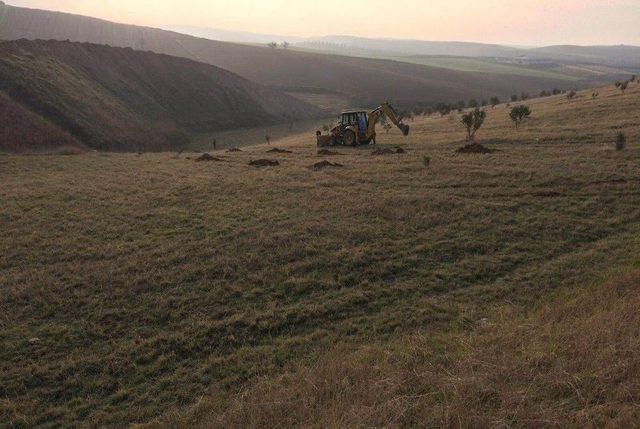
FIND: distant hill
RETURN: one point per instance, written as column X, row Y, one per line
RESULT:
column 54, row 93
column 614, row 56
column 414, row 47
column 360, row 80
column 231, row 36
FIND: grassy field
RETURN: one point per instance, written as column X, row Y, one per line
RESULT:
column 467, row 64
column 133, row 286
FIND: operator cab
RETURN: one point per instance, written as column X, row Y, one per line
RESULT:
column 358, row 118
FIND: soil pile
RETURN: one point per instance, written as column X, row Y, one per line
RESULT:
column 206, row 157
column 475, row 148
column 264, row 163
column 328, row 152
column 388, row 151
column 326, row 164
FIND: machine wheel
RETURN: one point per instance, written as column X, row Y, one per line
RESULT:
column 349, row 138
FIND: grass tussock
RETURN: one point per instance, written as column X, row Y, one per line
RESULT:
column 572, row 362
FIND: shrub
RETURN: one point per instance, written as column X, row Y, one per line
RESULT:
column 473, row 103
column 556, row 91
column 621, row 141
column 519, row 114
column 524, row 96
column 571, row 94
column 633, row 78
column 494, row 101
column 473, row 121
column 514, row 97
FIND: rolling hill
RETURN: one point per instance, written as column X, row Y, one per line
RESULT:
column 361, row 81
column 383, row 293
column 120, row 99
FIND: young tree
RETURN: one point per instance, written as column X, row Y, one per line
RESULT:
column 570, row 95
column 473, row 103
column 519, row 114
column 556, row 91
column 485, row 103
column 494, row 102
column 443, row 108
column 272, row 45
column 621, row 141
column 473, row 121
column 285, row 45
column 633, row 78
column 623, row 86
column 595, row 95
column 514, row 97
column 524, row 96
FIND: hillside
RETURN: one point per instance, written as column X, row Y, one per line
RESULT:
column 137, row 286
column 571, row 362
column 120, row 99
column 360, row 81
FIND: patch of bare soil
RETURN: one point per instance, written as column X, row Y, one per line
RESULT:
column 475, row 148
column 234, row 149
column 206, row 157
column 325, row 164
column 278, row 150
column 328, row 152
column 388, row 151
column 264, row 163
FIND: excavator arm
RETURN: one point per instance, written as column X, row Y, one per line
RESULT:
column 385, row 109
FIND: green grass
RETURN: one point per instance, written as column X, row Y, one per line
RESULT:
column 134, row 285
column 467, row 64
column 483, row 66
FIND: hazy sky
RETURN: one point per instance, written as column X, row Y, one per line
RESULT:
column 530, row 22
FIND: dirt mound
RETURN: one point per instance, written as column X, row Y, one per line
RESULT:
column 278, row 150
column 207, row 157
column 328, row 152
column 264, row 163
column 475, row 148
column 388, row 151
column 325, row 164
column 234, row 149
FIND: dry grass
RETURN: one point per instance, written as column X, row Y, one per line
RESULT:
column 573, row 362
column 133, row 285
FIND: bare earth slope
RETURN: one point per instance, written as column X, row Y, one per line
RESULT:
column 121, row 99
column 22, row 130
column 363, row 81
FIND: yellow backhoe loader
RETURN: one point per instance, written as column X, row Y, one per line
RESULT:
column 358, row 127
